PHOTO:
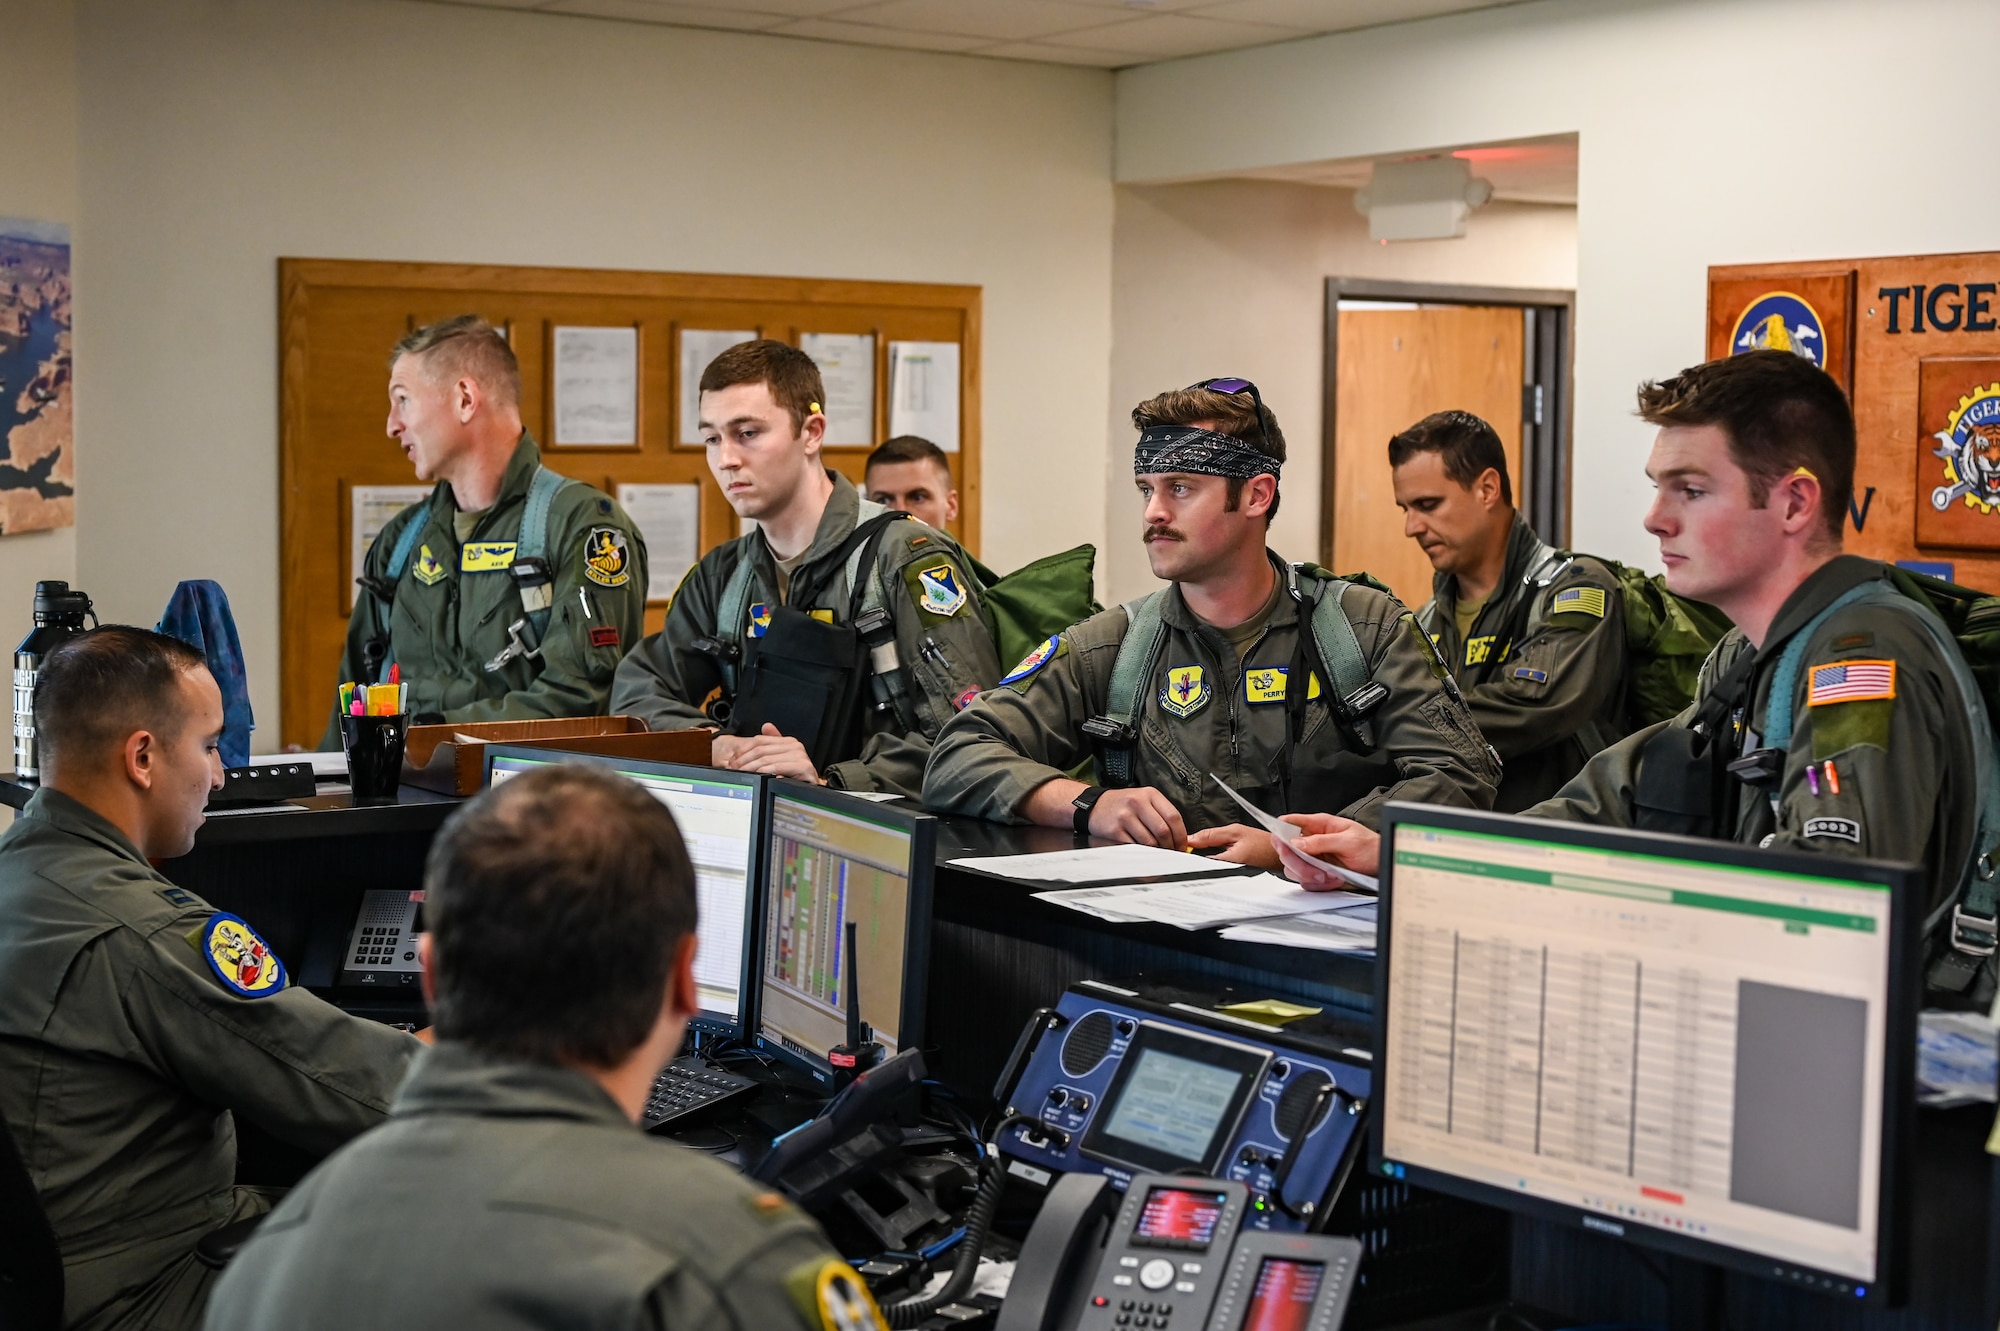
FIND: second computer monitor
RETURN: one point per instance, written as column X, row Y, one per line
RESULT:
column 833, row 858
column 720, row 815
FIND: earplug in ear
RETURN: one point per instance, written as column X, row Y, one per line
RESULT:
column 1805, row 472
column 814, row 408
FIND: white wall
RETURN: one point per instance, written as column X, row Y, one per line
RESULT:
column 1229, row 277
column 1712, row 131
column 38, row 180
column 217, row 135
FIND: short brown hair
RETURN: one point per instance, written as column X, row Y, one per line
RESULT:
column 98, row 687
column 466, row 347
column 1779, row 412
column 789, row 373
column 1235, row 414
column 1465, row 442
column 908, row 448
column 556, row 903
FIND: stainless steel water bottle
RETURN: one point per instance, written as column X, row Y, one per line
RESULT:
column 59, row 614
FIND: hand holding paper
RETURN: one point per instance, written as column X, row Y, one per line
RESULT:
column 1330, row 835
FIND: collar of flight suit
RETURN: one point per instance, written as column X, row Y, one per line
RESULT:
column 72, row 816
column 452, row 1077
column 514, row 481
column 1521, row 545
column 1174, row 609
column 1822, row 586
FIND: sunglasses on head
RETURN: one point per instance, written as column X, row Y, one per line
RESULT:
column 1230, row 388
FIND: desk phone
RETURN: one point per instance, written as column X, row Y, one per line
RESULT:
column 382, row 949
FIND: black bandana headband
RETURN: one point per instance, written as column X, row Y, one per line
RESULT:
column 1198, row 452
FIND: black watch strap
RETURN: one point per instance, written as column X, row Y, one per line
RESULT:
column 1083, row 804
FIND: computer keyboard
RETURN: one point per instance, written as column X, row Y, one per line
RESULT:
column 689, row 1087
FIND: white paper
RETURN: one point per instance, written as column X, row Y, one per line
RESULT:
column 1201, row 904
column 1094, row 864
column 923, row 391
column 1290, row 833
column 369, row 509
column 1325, row 931
column 669, row 520
column 597, row 386
column 847, row 367
column 698, row 347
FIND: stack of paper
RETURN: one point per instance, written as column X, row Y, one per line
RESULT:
column 1096, row 864
column 1347, row 930
column 1201, row 904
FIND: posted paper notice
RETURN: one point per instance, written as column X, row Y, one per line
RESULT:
column 923, row 391
column 699, row 346
column 669, row 519
column 596, row 387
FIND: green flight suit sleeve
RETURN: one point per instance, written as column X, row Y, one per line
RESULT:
column 1017, row 736
column 771, row 1289
column 1439, row 755
column 292, row 1063
column 947, row 659
column 664, row 680
column 1562, row 673
column 598, row 613
column 1601, row 794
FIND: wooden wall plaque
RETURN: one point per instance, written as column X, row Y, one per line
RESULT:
column 1924, row 333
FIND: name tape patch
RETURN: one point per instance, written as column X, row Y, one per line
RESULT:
column 1845, row 829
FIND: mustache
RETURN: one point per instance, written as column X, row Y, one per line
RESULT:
column 1162, row 534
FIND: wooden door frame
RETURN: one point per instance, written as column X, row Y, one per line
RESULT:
column 1548, row 368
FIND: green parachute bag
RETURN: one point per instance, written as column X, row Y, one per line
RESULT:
column 1039, row 600
column 1667, row 637
column 1974, row 620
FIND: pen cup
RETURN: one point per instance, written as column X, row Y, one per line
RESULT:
column 374, row 747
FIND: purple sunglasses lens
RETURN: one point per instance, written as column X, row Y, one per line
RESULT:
column 1227, row 385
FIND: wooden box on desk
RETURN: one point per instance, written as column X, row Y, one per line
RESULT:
column 452, row 759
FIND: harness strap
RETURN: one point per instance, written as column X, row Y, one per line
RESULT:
column 1138, row 652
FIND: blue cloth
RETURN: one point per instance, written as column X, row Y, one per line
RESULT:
column 199, row 616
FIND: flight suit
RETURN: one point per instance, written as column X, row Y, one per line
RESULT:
column 126, row 1052
column 1543, row 668
column 1228, row 719
column 455, row 602
column 942, row 639
column 1888, row 777
column 509, row 1194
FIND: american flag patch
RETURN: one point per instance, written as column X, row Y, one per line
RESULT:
column 1578, row 600
column 1851, row 681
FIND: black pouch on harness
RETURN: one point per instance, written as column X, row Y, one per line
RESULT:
column 1674, row 790
column 806, row 678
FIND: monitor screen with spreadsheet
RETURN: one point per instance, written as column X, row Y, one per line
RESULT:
column 833, row 858
column 1693, row 1045
column 720, row 816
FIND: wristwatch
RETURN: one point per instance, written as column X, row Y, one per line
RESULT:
column 1083, row 804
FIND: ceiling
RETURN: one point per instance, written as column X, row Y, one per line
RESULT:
column 1523, row 171
column 1110, row 34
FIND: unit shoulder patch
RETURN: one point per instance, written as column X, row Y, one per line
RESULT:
column 1185, row 691
column 938, row 589
column 1578, row 601
column 607, row 558
column 1850, row 681
column 427, row 569
column 830, row 1296
column 1032, row 663
column 486, row 556
column 240, row 959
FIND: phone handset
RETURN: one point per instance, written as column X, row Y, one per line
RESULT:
column 1174, row 1259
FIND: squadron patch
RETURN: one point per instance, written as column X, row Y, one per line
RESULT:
column 1851, row 681
column 938, row 590
column 760, row 620
column 1185, row 692
column 1034, row 661
column 428, row 571
column 1578, row 601
column 1843, row 829
column 831, row 1297
column 607, row 560
column 240, row 959
column 486, row 556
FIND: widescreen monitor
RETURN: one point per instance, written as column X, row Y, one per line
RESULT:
column 832, row 858
column 720, row 815
column 1693, row 1045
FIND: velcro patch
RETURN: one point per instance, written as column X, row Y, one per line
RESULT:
column 1185, row 692
column 1034, row 661
column 178, row 896
column 964, row 700
column 1267, row 684
column 1838, row 729
column 607, row 559
column 1578, row 601
column 823, row 616
column 427, row 569
column 604, row 635
column 939, row 590
column 1478, row 649
column 240, row 959
column 486, row 556
column 1843, row 829
column 760, row 620
column 1532, row 674
column 831, row 1297
column 1851, row 681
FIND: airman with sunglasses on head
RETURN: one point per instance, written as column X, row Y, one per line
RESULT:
column 1298, row 689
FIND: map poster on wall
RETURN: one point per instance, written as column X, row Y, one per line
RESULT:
column 1958, row 452
column 37, row 445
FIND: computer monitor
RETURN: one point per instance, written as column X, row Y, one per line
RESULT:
column 720, row 815
column 834, row 858
column 1693, row 1045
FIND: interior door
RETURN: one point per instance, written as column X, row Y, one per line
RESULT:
column 1396, row 366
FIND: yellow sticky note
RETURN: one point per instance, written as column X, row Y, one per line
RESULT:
column 1269, row 1011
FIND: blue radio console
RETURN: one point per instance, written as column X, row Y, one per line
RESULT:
column 1119, row 1082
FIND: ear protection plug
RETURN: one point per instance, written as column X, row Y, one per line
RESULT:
column 814, row 409
column 1805, row 472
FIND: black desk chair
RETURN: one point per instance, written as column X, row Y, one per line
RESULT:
column 31, row 1270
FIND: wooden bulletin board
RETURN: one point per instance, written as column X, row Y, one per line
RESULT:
column 338, row 320
column 1916, row 341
